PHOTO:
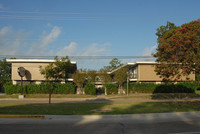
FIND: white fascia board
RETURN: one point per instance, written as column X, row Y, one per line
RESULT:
column 70, row 79
column 133, row 79
column 33, row 60
column 146, row 62
column 125, row 65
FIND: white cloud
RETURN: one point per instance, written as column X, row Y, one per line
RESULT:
column 51, row 37
column 40, row 48
column 96, row 50
column 11, row 42
column 92, row 50
column 149, row 51
column 68, row 50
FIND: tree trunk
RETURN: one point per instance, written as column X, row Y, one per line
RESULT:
column 120, row 90
column 79, row 91
column 105, row 91
column 198, row 79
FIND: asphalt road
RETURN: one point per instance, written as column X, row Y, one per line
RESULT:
column 165, row 123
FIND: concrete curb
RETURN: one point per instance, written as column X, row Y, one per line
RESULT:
column 23, row 116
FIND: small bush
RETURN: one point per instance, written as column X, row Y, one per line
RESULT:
column 111, row 88
column 90, row 89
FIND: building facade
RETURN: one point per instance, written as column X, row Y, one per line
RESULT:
column 144, row 72
column 32, row 67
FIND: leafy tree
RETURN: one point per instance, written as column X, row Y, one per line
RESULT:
column 58, row 70
column 105, row 78
column 120, row 77
column 5, row 71
column 79, row 78
column 178, row 50
column 114, row 63
column 91, row 75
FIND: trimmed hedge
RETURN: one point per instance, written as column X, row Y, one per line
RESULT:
column 178, row 88
column 140, row 87
column 183, row 87
column 67, row 88
column 12, row 89
column 90, row 89
column 111, row 88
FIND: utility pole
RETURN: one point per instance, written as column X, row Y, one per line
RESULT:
column 127, row 82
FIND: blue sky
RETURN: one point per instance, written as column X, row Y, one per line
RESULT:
column 88, row 27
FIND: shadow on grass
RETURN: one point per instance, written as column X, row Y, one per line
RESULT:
column 158, row 96
column 63, row 108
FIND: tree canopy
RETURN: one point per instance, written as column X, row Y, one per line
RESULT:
column 114, row 63
column 57, row 70
column 5, row 71
column 178, row 50
column 79, row 78
column 120, row 77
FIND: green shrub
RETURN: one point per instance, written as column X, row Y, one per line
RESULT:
column 140, row 87
column 12, row 89
column 111, row 88
column 67, row 88
column 192, row 85
column 90, row 89
column 178, row 88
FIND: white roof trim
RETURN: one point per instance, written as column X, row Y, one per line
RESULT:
column 33, row 60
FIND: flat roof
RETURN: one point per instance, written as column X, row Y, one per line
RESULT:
column 33, row 61
column 133, row 64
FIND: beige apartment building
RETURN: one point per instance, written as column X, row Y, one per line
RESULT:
column 32, row 67
column 144, row 72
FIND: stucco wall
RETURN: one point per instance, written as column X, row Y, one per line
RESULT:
column 32, row 69
column 147, row 73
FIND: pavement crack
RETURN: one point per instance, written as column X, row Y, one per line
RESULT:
column 122, row 128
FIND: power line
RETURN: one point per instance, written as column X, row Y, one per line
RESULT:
column 77, row 57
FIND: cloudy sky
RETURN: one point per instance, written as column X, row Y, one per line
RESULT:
column 88, row 27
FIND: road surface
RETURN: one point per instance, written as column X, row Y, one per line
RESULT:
column 162, row 123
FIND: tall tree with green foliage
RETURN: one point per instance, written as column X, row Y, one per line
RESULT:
column 79, row 78
column 91, row 75
column 120, row 77
column 114, row 63
column 58, row 70
column 105, row 78
column 5, row 71
column 178, row 50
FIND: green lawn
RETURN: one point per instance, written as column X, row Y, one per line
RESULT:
column 89, row 108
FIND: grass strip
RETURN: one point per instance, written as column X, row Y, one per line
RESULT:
column 89, row 108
